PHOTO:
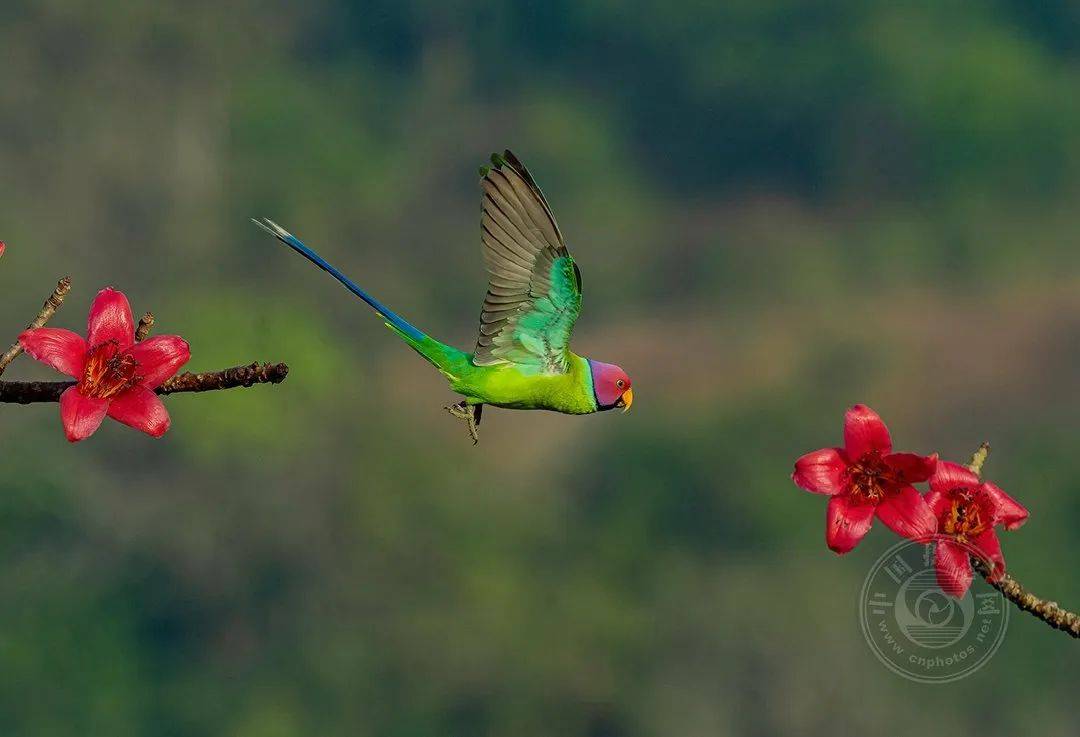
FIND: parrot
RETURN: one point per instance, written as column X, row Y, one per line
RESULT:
column 522, row 358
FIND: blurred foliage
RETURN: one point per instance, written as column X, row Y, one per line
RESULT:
column 780, row 208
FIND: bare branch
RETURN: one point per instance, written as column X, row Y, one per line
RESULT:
column 30, row 392
column 978, row 458
column 1048, row 611
column 230, row 378
column 52, row 304
column 146, row 324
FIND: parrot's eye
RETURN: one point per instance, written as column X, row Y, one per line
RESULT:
column 620, row 383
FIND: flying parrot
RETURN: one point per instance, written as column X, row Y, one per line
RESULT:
column 522, row 358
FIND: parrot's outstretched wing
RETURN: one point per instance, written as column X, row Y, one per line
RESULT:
column 534, row 286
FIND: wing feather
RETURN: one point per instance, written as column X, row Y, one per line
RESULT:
column 534, row 287
column 498, row 202
column 506, row 245
column 522, row 243
column 506, row 199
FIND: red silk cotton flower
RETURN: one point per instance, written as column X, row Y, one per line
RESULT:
column 116, row 376
column 967, row 510
column 865, row 477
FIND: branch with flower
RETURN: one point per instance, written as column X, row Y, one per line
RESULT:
column 118, row 370
column 959, row 513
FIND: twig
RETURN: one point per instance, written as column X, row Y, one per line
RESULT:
column 29, row 392
column 52, row 304
column 1048, row 611
column 978, row 458
column 230, row 378
column 146, row 324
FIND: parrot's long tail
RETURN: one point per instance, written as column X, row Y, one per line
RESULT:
column 394, row 320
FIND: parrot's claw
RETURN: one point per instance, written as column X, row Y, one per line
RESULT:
column 471, row 414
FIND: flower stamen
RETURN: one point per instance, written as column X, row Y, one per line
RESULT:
column 109, row 371
column 870, row 477
column 964, row 520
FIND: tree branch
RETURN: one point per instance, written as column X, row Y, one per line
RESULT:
column 146, row 324
column 30, row 392
column 230, row 378
column 978, row 458
column 1048, row 611
column 52, row 304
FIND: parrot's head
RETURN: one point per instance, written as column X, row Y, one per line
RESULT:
column 611, row 386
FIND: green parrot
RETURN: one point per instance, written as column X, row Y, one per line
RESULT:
column 522, row 358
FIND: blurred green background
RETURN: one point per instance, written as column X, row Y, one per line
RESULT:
column 779, row 208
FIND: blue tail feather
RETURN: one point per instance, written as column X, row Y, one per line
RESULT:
column 385, row 312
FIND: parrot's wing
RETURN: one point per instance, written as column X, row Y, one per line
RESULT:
column 534, row 286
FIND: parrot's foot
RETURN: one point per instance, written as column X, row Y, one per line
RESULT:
column 471, row 414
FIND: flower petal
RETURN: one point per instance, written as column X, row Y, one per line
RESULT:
column 906, row 513
column 864, row 431
column 948, row 476
column 989, row 549
column 912, row 468
column 62, row 349
column 939, row 502
column 81, row 415
column 110, row 319
column 159, row 358
column 141, row 409
column 821, row 472
column 1007, row 510
column 846, row 523
column 953, row 568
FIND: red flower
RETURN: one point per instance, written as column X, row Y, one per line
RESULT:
column 865, row 477
column 967, row 510
column 3, row 247
column 116, row 376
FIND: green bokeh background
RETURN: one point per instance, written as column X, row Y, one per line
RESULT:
column 779, row 208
